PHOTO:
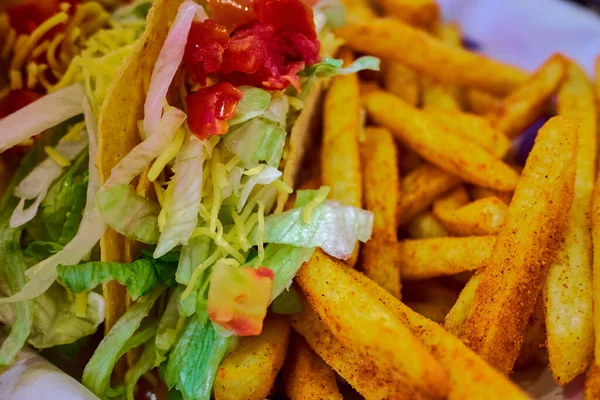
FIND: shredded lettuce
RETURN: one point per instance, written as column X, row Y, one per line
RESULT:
column 329, row 67
column 277, row 111
column 96, row 375
column 129, row 213
column 333, row 11
column 144, row 364
column 253, row 104
column 192, row 255
column 40, row 250
column 266, row 176
column 256, row 140
column 169, row 326
column 193, row 363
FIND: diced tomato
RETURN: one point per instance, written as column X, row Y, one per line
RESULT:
column 287, row 15
column 204, row 49
column 210, row 108
column 231, row 13
column 17, row 99
column 29, row 14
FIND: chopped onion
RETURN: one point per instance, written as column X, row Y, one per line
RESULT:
column 168, row 62
column 42, row 114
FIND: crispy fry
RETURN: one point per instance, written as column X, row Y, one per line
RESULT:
column 535, row 335
column 480, row 217
column 358, row 321
column 426, row 226
column 402, row 81
column 362, row 373
column 358, row 10
column 408, row 160
column 592, row 382
column 250, row 370
column 519, row 109
column 420, row 13
column 435, row 312
column 457, row 316
column 380, row 263
column 307, row 376
column 452, row 201
column 428, row 258
column 432, row 142
column 568, row 290
column 474, row 128
column 526, row 245
column 420, row 188
column 477, row 193
column 391, row 39
column 430, row 298
column 470, row 376
column 480, row 102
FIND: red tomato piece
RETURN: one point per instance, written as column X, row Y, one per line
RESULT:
column 29, row 14
column 231, row 13
column 17, row 99
column 211, row 107
column 204, row 49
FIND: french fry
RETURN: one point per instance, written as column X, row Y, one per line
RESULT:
column 420, row 13
column 394, row 40
column 480, row 217
column 526, row 245
column 450, row 202
column 457, row 316
column 477, row 193
column 402, row 81
column 307, row 376
column 480, row 102
column 250, row 370
column 473, row 128
column 367, row 378
column 568, row 288
column 426, row 226
column 432, row 311
column 420, row 188
column 358, row 10
column 380, row 263
column 450, row 152
column 592, row 382
column 520, row 108
column 358, row 321
column 535, row 335
column 340, row 156
column 408, row 160
column 428, row 258
column 430, row 298
column 470, row 376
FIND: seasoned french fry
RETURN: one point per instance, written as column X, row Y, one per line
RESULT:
column 457, row 316
column 420, row 188
column 450, row 152
column 480, row 102
column 358, row 10
column 428, row 258
column 358, row 321
column 435, row 312
column 420, row 13
column 519, row 109
column 474, row 128
column 452, row 201
column 250, row 370
column 426, row 226
column 535, row 335
column 394, row 40
column 480, row 217
column 430, row 298
column 408, row 160
column 380, row 263
column 592, row 382
column 568, row 289
column 307, row 376
column 477, row 193
column 402, row 81
column 470, row 376
column 340, row 156
column 527, row 243
column 362, row 373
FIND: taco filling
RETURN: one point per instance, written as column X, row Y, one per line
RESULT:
column 203, row 192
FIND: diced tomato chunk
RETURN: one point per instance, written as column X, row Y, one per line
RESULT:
column 204, row 49
column 29, row 14
column 231, row 13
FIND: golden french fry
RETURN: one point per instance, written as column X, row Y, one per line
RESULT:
column 480, row 217
column 457, row 316
column 520, row 108
column 402, row 81
column 477, row 193
column 430, row 298
column 535, row 335
column 358, row 321
column 448, row 151
column 428, row 258
column 408, row 160
column 420, row 188
column 480, row 102
column 250, row 370
column 435, row 312
column 452, row 201
column 394, row 40
column 426, row 226
column 307, row 376
column 568, row 288
column 365, row 376
column 474, row 128
column 380, row 263
column 420, row 13
column 526, row 245
column 470, row 376
column 592, row 382
column 358, row 10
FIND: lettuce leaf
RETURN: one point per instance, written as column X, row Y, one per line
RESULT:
column 167, row 332
column 40, row 250
column 144, row 364
column 253, row 103
column 329, row 67
column 192, row 255
column 256, row 140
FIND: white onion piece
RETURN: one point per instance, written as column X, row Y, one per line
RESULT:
column 42, row 114
column 137, row 159
column 264, row 177
column 168, row 62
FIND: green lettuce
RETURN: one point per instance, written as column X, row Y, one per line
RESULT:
column 256, row 140
column 253, row 104
column 329, row 67
column 167, row 332
column 144, row 364
column 40, row 250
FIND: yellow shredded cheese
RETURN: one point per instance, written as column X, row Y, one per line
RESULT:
column 216, row 203
column 260, row 232
column 255, row 170
column 74, row 134
column 57, row 157
column 81, row 300
column 240, row 229
column 198, row 271
column 160, row 193
column 283, row 187
column 162, row 216
column 203, row 211
column 232, row 163
column 308, row 209
column 221, row 175
column 170, row 152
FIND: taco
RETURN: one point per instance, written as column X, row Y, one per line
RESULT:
column 58, row 62
column 200, row 140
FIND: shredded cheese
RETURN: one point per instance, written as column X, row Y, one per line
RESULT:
column 81, row 300
column 161, row 162
column 198, row 271
column 283, row 187
column 57, row 157
column 217, row 198
column 162, row 216
column 260, row 232
column 308, row 209
column 160, row 193
column 255, row 170
column 240, row 229
column 74, row 134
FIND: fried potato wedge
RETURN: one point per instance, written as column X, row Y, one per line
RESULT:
column 420, row 188
column 568, row 289
column 420, row 13
column 358, row 321
column 306, row 375
column 526, row 245
column 470, row 376
column 448, row 151
column 426, row 226
column 402, row 81
column 394, row 40
column 520, row 108
column 428, row 258
column 457, row 316
column 380, row 262
column 481, row 217
column 480, row 102
column 250, row 370
column 477, row 193
column 450, row 202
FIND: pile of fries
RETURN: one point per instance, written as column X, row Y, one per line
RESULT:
column 478, row 265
